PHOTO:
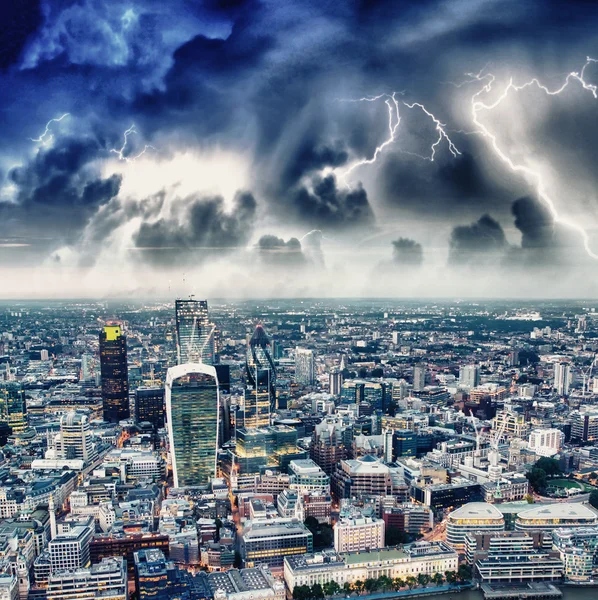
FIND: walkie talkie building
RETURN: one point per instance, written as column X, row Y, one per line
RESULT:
column 193, row 410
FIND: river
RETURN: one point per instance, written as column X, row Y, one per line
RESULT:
column 569, row 593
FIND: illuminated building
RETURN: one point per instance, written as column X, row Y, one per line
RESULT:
column 106, row 580
column 13, row 407
column 554, row 516
column 193, row 409
column 260, row 392
column 115, row 378
column 75, row 437
column 194, row 333
column 472, row 518
column 149, row 406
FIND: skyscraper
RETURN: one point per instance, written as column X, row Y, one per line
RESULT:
column 469, row 376
column 193, row 410
column 335, row 379
column 562, row 378
column 75, row 437
column 419, row 377
column 194, row 333
column 12, row 406
column 115, row 377
column 149, row 406
column 260, row 392
column 305, row 371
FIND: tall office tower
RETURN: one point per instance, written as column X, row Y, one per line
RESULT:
column 562, row 378
column 75, row 437
column 193, row 411
column 115, row 376
column 419, row 377
column 260, row 392
column 469, row 376
column 335, row 380
column 13, row 406
column 194, row 332
column 106, row 580
column 305, row 366
column 149, row 406
column 86, row 364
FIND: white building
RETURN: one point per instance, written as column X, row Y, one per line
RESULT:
column 546, row 442
column 306, row 477
column 469, row 376
column 305, row 366
column 356, row 532
column 562, row 378
column 475, row 517
column 70, row 550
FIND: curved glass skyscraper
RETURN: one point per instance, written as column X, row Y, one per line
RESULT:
column 260, row 393
column 193, row 410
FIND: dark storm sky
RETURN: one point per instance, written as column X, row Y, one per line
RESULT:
column 265, row 84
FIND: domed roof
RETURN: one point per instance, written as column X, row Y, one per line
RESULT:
column 259, row 337
column 73, row 418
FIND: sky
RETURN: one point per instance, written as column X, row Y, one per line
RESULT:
column 298, row 149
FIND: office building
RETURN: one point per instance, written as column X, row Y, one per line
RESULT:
column 578, row 549
column 554, row 516
column 115, row 377
column 13, row 408
column 106, row 580
column 330, row 443
column 306, row 477
column 194, row 333
column 469, row 376
column 546, row 442
column 149, row 406
column 404, row 443
column 192, row 406
column 305, row 366
column 268, row 542
column 562, row 378
column 246, row 584
column 473, row 517
column 366, row 475
column 260, row 391
column 584, row 426
column 419, row 378
column 335, row 382
column 75, row 437
column 409, row 517
column 409, row 561
column 356, row 531
column 70, row 550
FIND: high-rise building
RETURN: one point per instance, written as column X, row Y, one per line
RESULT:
column 13, row 408
column 75, row 437
column 562, row 378
column 469, row 376
column 305, row 366
column 194, row 332
column 193, row 410
column 149, row 406
column 115, row 376
column 106, row 580
column 70, row 550
column 260, row 391
column 404, row 443
column 335, row 380
column 419, row 377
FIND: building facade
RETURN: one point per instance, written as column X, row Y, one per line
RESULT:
column 115, row 375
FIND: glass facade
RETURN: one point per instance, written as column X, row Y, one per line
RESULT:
column 260, row 393
column 149, row 406
column 115, row 377
column 192, row 406
column 12, row 406
column 194, row 333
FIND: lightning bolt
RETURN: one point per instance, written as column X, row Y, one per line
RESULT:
column 121, row 150
column 42, row 138
column 478, row 106
column 394, row 120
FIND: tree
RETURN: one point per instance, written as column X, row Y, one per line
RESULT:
column 549, row 465
column 331, row 588
column 529, row 498
column 423, row 579
column 537, row 479
column 593, row 500
column 398, row 583
column 317, row 593
column 395, row 536
column 384, row 582
column 347, row 588
column 437, row 579
column 411, row 582
column 301, row 592
column 358, row 586
column 450, row 577
column 464, row 572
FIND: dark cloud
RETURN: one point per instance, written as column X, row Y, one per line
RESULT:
column 481, row 242
column 201, row 228
column 406, row 252
column 56, row 194
column 19, row 21
column 274, row 251
column 324, row 205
